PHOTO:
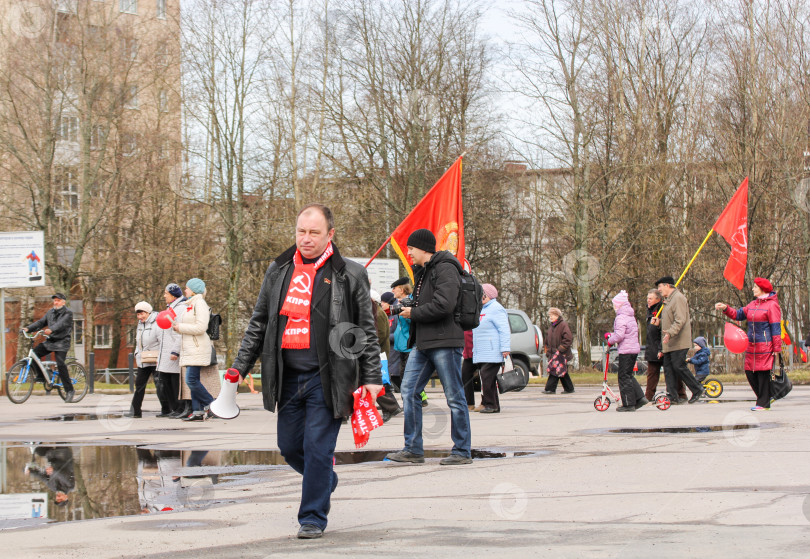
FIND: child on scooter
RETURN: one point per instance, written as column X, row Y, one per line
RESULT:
column 700, row 360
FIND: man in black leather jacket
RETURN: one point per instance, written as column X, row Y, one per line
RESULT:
column 437, row 341
column 58, row 323
column 310, row 370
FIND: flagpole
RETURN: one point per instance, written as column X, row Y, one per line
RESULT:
column 703, row 244
column 379, row 250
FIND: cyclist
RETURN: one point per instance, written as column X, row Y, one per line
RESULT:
column 58, row 323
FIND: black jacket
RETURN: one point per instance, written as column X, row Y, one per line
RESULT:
column 60, row 321
column 340, row 317
column 433, row 321
column 653, row 336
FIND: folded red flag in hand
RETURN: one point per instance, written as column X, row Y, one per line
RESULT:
column 365, row 418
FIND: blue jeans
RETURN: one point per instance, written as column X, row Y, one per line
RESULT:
column 307, row 434
column 447, row 362
column 200, row 397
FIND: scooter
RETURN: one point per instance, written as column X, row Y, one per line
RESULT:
column 602, row 403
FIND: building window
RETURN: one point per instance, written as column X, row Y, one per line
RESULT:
column 161, row 9
column 132, row 97
column 128, row 6
column 163, row 101
column 129, row 145
column 66, row 186
column 103, row 335
column 78, row 332
column 96, row 137
column 67, row 227
column 129, row 48
column 67, row 129
column 66, row 6
column 162, row 54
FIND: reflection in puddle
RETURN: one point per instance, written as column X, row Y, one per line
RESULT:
column 63, row 482
column 694, row 429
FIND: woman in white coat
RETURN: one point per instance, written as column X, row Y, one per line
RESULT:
column 196, row 348
column 146, row 347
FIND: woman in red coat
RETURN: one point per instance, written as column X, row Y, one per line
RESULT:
column 764, row 318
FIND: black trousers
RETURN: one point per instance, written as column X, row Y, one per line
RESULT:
column 760, row 382
column 489, row 385
column 388, row 402
column 567, row 383
column 676, row 369
column 170, row 389
column 629, row 388
column 468, row 370
column 59, row 357
column 141, row 378
column 654, row 375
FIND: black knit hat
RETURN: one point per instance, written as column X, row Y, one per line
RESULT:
column 405, row 280
column 423, row 239
column 666, row 279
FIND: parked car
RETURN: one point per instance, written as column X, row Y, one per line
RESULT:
column 526, row 342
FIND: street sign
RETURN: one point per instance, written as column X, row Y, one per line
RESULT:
column 382, row 272
column 22, row 259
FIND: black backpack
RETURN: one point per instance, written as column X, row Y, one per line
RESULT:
column 468, row 305
column 214, row 322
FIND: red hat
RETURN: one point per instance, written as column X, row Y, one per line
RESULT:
column 764, row 285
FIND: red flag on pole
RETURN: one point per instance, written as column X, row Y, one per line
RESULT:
column 733, row 226
column 440, row 211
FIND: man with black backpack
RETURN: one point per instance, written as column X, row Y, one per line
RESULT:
column 437, row 339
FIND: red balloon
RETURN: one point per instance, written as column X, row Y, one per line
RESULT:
column 735, row 338
column 165, row 318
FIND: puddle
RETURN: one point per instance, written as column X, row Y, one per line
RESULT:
column 681, row 430
column 83, row 417
column 61, row 482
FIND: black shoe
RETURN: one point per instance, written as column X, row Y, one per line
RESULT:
column 455, row 460
column 489, row 410
column 69, row 396
column 309, row 532
column 195, row 416
column 697, row 396
column 405, row 456
column 185, row 411
column 424, row 403
column 626, row 408
column 548, row 392
column 641, row 403
column 133, row 414
column 164, row 414
column 388, row 415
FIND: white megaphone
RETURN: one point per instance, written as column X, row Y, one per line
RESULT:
column 225, row 405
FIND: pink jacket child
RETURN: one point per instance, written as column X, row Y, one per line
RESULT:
column 625, row 327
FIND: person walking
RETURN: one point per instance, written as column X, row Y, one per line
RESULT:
column 437, row 341
column 676, row 328
column 764, row 317
column 491, row 346
column 386, row 402
column 197, row 349
column 58, row 326
column 652, row 352
column 625, row 338
column 312, row 363
column 558, row 338
column 147, row 347
column 168, row 363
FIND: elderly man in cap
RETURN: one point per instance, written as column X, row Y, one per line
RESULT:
column 437, row 341
column 676, row 328
column 58, row 323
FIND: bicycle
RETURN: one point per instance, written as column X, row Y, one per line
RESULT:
column 24, row 373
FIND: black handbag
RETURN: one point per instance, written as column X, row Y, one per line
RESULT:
column 780, row 384
column 509, row 381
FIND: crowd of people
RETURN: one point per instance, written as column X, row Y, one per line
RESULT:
column 311, row 364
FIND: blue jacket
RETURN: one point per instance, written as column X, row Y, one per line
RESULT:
column 492, row 337
column 701, row 359
column 402, row 334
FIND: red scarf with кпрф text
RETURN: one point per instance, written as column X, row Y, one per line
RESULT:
column 298, row 301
